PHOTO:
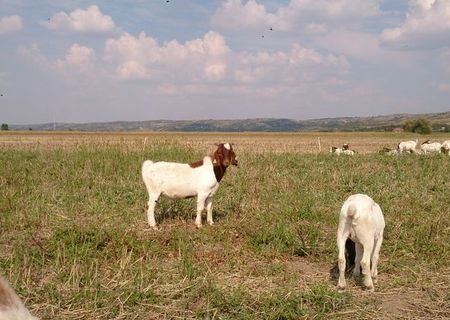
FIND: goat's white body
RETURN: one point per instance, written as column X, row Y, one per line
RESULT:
column 337, row 151
column 13, row 309
column 16, row 314
column 348, row 152
column 361, row 220
column 445, row 147
column 393, row 152
column 179, row 181
column 431, row 147
column 407, row 146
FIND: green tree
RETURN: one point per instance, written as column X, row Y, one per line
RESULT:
column 419, row 125
column 4, row 127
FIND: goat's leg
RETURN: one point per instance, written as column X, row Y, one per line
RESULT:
column 209, row 217
column 201, row 199
column 375, row 257
column 365, row 264
column 153, row 199
column 341, row 239
column 359, row 252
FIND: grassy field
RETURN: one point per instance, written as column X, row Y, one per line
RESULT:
column 75, row 244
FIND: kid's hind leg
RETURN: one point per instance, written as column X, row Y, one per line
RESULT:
column 365, row 265
column 153, row 199
column 375, row 257
column 341, row 239
column 359, row 253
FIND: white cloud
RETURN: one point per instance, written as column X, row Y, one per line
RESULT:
column 299, row 65
column 314, row 14
column 233, row 14
column 89, row 20
column 427, row 25
column 209, row 59
column 34, row 55
column 315, row 28
column 78, row 59
column 143, row 57
column 200, row 66
column 10, row 24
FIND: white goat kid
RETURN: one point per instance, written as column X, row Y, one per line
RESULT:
column 11, row 307
column 344, row 150
column 430, row 147
column 182, row 180
column 407, row 146
column 445, row 147
column 361, row 220
column 336, row 150
column 348, row 152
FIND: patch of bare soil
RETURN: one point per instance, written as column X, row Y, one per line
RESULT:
column 429, row 298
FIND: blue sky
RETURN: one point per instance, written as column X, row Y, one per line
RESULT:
column 90, row 61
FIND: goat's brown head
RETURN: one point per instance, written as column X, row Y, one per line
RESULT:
column 427, row 142
column 345, row 146
column 224, row 155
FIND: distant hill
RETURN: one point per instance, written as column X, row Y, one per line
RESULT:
column 377, row 123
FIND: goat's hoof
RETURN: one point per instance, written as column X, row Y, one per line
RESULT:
column 369, row 288
column 210, row 223
column 340, row 288
column 198, row 226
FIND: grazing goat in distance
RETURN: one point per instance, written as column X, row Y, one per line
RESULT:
column 361, row 220
column 11, row 307
column 430, row 147
column 344, row 150
column 182, row 180
column 336, row 150
column 407, row 146
column 389, row 151
column 445, row 147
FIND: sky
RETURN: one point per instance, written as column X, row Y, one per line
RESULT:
column 97, row 61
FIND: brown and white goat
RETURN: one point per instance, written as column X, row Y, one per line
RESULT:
column 182, row 180
column 344, row 150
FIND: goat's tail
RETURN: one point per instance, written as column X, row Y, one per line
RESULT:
column 351, row 211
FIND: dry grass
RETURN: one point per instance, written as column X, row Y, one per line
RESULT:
column 75, row 243
column 305, row 142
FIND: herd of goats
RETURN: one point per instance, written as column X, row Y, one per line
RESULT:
column 403, row 147
column 360, row 228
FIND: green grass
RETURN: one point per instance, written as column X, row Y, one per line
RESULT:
column 74, row 238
